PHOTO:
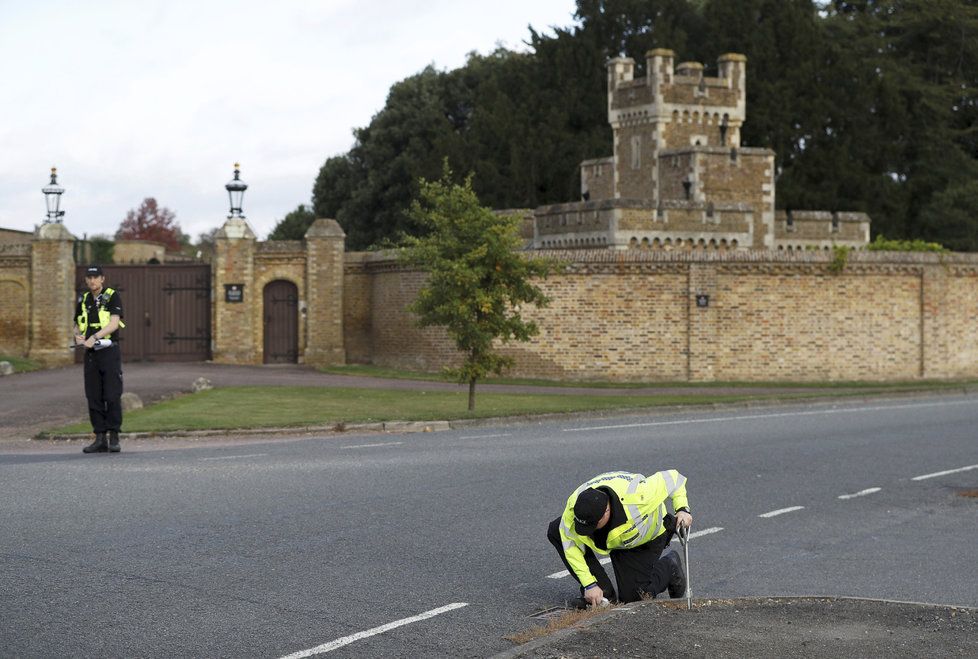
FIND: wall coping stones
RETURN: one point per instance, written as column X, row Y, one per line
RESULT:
column 325, row 228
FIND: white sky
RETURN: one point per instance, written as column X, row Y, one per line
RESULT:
column 159, row 98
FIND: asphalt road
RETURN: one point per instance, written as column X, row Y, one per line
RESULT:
column 434, row 544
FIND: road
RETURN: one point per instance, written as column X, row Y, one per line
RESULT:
column 434, row 544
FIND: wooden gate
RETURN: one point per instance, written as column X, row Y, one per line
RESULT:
column 167, row 310
column 281, row 314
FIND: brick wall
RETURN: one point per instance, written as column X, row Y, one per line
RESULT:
column 324, row 277
column 278, row 260
column 52, row 295
column 233, row 335
column 632, row 316
column 314, row 265
column 15, row 277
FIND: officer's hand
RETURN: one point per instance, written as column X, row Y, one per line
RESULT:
column 79, row 340
column 90, row 341
column 683, row 519
column 593, row 596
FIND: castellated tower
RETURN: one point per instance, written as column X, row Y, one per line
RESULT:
column 679, row 176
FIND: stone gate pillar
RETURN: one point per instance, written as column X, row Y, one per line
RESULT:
column 237, row 305
column 325, row 243
column 52, row 295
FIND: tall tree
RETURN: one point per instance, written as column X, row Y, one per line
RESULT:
column 477, row 279
column 151, row 222
column 294, row 225
column 870, row 105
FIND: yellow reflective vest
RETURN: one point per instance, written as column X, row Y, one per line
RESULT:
column 103, row 314
column 642, row 497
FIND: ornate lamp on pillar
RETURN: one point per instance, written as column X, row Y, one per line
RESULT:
column 52, row 197
column 237, row 302
column 236, row 189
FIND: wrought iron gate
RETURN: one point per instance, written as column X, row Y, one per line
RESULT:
column 167, row 310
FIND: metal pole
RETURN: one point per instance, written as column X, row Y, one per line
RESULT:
column 684, row 541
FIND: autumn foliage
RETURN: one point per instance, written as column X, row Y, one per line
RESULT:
column 151, row 222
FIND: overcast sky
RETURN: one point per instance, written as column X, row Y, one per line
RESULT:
column 153, row 98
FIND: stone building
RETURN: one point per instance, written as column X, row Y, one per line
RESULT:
column 138, row 251
column 679, row 177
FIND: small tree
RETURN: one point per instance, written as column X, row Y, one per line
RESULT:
column 151, row 222
column 477, row 278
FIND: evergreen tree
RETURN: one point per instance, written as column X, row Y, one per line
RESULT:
column 870, row 105
column 294, row 225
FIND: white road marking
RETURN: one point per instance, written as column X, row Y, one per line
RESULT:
column 605, row 561
column 861, row 493
column 565, row 573
column 502, row 434
column 944, row 473
column 696, row 534
column 782, row 511
column 373, row 445
column 346, row 640
column 747, row 417
column 235, row 457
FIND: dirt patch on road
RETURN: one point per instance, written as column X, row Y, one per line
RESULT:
column 769, row 627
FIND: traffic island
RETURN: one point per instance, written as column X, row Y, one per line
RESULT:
column 798, row 627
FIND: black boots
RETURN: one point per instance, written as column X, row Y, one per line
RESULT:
column 677, row 580
column 99, row 445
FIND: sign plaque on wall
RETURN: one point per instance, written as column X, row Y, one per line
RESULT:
column 702, row 300
column 234, row 292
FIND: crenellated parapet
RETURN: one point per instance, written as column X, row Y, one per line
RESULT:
column 676, row 139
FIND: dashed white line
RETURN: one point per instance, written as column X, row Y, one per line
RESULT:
column 781, row 511
column 346, row 640
column 565, row 573
column 861, row 493
column 502, row 434
column 605, row 561
column 373, row 445
column 236, row 457
column 747, row 417
column 944, row 473
column 712, row 529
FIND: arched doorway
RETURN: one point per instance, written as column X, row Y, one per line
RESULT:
column 281, row 319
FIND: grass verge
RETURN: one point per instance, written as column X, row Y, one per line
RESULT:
column 264, row 407
column 569, row 619
column 20, row 364
column 367, row 370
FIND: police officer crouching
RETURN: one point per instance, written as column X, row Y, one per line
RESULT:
column 98, row 316
column 624, row 515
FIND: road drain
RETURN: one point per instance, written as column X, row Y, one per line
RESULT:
column 547, row 614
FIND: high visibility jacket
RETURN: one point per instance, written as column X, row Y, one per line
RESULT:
column 103, row 313
column 643, row 499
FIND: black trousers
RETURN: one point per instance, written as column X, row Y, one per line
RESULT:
column 638, row 571
column 103, row 388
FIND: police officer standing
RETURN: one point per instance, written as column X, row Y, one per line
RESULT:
column 98, row 316
column 623, row 515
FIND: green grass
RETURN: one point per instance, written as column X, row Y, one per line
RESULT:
column 258, row 407
column 266, row 407
column 366, row 370
column 20, row 364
